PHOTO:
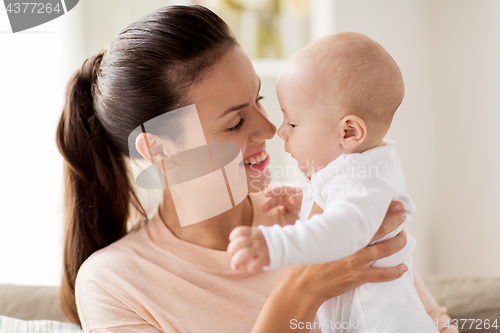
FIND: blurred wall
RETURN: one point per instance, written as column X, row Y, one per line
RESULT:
column 447, row 126
column 35, row 66
column 466, row 67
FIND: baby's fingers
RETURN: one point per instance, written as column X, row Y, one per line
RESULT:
column 241, row 257
column 273, row 202
column 295, row 199
column 284, row 190
column 239, row 231
column 238, row 243
column 256, row 264
column 285, row 202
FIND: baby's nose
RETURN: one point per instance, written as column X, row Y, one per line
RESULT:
column 281, row 133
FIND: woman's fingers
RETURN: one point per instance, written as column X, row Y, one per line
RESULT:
column 383, row 249
column 393, row 219
column 384, row 274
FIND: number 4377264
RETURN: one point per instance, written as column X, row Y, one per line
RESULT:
column 479, row 323
column 36, row 8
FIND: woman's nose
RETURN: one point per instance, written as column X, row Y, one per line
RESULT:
column 265, row 129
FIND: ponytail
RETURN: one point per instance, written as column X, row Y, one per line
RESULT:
column 98, row 191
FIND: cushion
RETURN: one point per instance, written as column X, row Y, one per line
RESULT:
column 30, row 302
column 14, row 325
column 475, row 298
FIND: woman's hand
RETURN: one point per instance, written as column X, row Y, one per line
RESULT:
column 304, row 288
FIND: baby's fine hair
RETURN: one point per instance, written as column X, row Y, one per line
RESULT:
column 367, row 80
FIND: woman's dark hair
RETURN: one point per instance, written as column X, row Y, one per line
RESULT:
column 144, row 72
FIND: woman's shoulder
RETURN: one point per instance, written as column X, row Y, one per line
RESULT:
column 112, row 261
column 106, row 285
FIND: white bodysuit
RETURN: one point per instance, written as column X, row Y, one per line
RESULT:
column 354, row 191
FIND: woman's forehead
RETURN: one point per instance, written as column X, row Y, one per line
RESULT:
column 231, row 82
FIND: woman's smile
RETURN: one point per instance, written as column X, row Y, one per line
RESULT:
column 257, row 161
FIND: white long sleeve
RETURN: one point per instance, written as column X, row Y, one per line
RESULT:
column 355, row 192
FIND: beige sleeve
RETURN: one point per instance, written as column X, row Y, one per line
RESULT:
column 436, row 312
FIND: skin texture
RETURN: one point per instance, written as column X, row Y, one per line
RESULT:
column 316, row 90
column 230, row 82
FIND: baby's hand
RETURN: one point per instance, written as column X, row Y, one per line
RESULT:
column 248, row 249
column 288, row 198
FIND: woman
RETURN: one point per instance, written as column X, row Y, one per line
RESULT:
column 161, row 277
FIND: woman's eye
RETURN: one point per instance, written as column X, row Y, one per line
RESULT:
column 258, row 99
column 237, row 127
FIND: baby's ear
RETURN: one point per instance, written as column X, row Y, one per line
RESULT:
column 354, row 132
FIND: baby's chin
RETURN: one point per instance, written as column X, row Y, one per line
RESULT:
column 303, row 168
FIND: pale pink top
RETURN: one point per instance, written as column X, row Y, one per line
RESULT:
column 151, row 281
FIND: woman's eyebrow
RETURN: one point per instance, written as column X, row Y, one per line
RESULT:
column 232, row 109
column 237, row 107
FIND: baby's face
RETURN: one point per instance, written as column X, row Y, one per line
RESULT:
column 310, row 127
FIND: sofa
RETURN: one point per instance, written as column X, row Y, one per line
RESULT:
column 474, row 298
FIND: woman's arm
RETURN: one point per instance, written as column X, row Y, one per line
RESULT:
column 301, row 290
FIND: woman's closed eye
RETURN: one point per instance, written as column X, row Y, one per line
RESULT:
column 238, row 126
column 242, row 120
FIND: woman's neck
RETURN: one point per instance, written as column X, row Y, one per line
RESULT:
column 212, row 233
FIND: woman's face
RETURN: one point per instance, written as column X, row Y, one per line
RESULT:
column 228, row 104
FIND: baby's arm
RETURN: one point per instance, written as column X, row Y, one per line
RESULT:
column 349, row 221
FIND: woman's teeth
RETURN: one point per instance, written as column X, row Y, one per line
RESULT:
column 256, row 159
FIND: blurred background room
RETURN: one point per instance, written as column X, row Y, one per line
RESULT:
column 447, row 129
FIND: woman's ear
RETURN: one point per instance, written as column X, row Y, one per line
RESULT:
column 354, row 132
column 150, row 147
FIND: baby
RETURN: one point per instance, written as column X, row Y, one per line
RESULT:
column 338, row 96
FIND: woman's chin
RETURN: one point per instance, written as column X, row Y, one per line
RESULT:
column 258, row 180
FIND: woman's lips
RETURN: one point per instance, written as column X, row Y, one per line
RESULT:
column 258, row 152
column 257, row 157
column 259, row 165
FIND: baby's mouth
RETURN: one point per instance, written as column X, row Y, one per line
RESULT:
column 256, row 159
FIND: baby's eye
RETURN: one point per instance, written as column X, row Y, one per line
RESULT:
column 292, row 125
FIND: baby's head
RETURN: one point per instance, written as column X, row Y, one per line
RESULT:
column 338, row 96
